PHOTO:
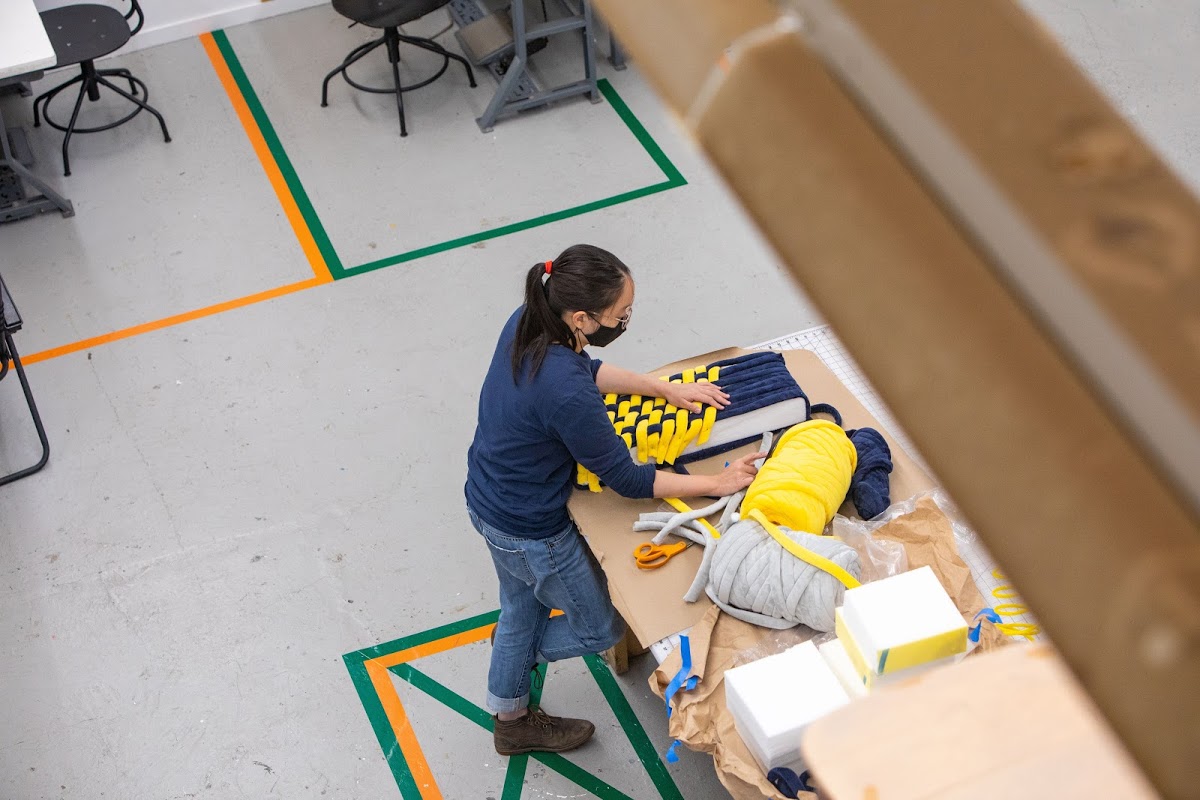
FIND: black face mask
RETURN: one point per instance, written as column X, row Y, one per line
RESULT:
column 604, row 335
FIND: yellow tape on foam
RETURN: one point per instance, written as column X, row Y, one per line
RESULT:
column 865, row 673
column 910, row 654
column 913, row 654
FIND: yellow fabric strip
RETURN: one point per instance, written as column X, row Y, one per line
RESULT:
column 689, row 376
column 710, row 418
column 588, row 478
column 681, row 436
column 803, row 553
column 665, row 440
column 643, row 448
column 679, row 505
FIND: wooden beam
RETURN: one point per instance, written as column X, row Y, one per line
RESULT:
column 1069, row 495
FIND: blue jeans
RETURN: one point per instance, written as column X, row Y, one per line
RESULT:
column 537, row 575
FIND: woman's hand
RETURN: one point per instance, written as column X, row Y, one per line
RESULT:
column 694, row 396
column 738, row 475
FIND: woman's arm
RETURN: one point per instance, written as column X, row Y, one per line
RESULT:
column 610, row 379
column 734, row 478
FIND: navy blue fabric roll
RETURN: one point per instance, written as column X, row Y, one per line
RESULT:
column 870, row 488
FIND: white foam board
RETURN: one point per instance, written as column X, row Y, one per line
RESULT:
column 905, row 608
column 774, row 699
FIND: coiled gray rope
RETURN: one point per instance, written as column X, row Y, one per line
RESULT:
column 753, row 578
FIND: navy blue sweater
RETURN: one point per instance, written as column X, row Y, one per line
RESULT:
column 521, row 466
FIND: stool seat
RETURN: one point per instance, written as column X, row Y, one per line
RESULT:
column 385, row 13
column 81, row 34
column 84, row 32
column 389, row 15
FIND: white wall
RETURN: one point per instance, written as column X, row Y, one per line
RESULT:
column 169, row 20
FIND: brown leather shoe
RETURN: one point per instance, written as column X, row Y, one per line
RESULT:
column 539, row 732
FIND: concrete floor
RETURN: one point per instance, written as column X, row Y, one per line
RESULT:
column 237, row 500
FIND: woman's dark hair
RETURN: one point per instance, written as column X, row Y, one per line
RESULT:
column 582, row 278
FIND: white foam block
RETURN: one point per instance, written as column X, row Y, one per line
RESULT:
column 774, row 699
column 835, row 656
column 902, row 621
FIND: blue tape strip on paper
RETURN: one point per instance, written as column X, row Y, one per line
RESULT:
column 990, row 615
column 683, row 681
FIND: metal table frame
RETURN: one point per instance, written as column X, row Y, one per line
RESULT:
column 10, row 323
column 48, row 199
column 514, row 93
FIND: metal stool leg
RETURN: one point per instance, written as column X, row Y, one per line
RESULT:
column 45, row 97
column 126, row 74
column 434, row 47
column 162, row 123
column 353, row 56
column 37, row 418
column 392, row 36
column 83, row 90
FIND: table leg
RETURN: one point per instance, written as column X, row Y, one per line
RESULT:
column 47, row 200
column 7, row 351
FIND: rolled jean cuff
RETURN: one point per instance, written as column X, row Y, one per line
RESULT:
column 506, row 705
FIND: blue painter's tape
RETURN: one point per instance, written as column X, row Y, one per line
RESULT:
column 684, row 681
column 990, row 615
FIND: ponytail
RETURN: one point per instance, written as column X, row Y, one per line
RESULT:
column 582, row 278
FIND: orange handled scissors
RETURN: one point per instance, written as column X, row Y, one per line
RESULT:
column 653, row 556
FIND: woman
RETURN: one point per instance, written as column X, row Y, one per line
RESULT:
column 541, row 410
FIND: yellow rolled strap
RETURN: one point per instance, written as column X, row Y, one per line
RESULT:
column 803, row 553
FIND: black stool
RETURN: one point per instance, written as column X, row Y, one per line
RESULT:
column 10, row 323
column 390, row 15
column 81, row 34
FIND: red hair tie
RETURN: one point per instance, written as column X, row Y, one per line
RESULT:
column 549, row 264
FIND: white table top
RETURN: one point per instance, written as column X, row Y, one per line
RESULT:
column 24, row 45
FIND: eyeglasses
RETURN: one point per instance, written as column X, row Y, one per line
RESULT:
column 622, row 322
